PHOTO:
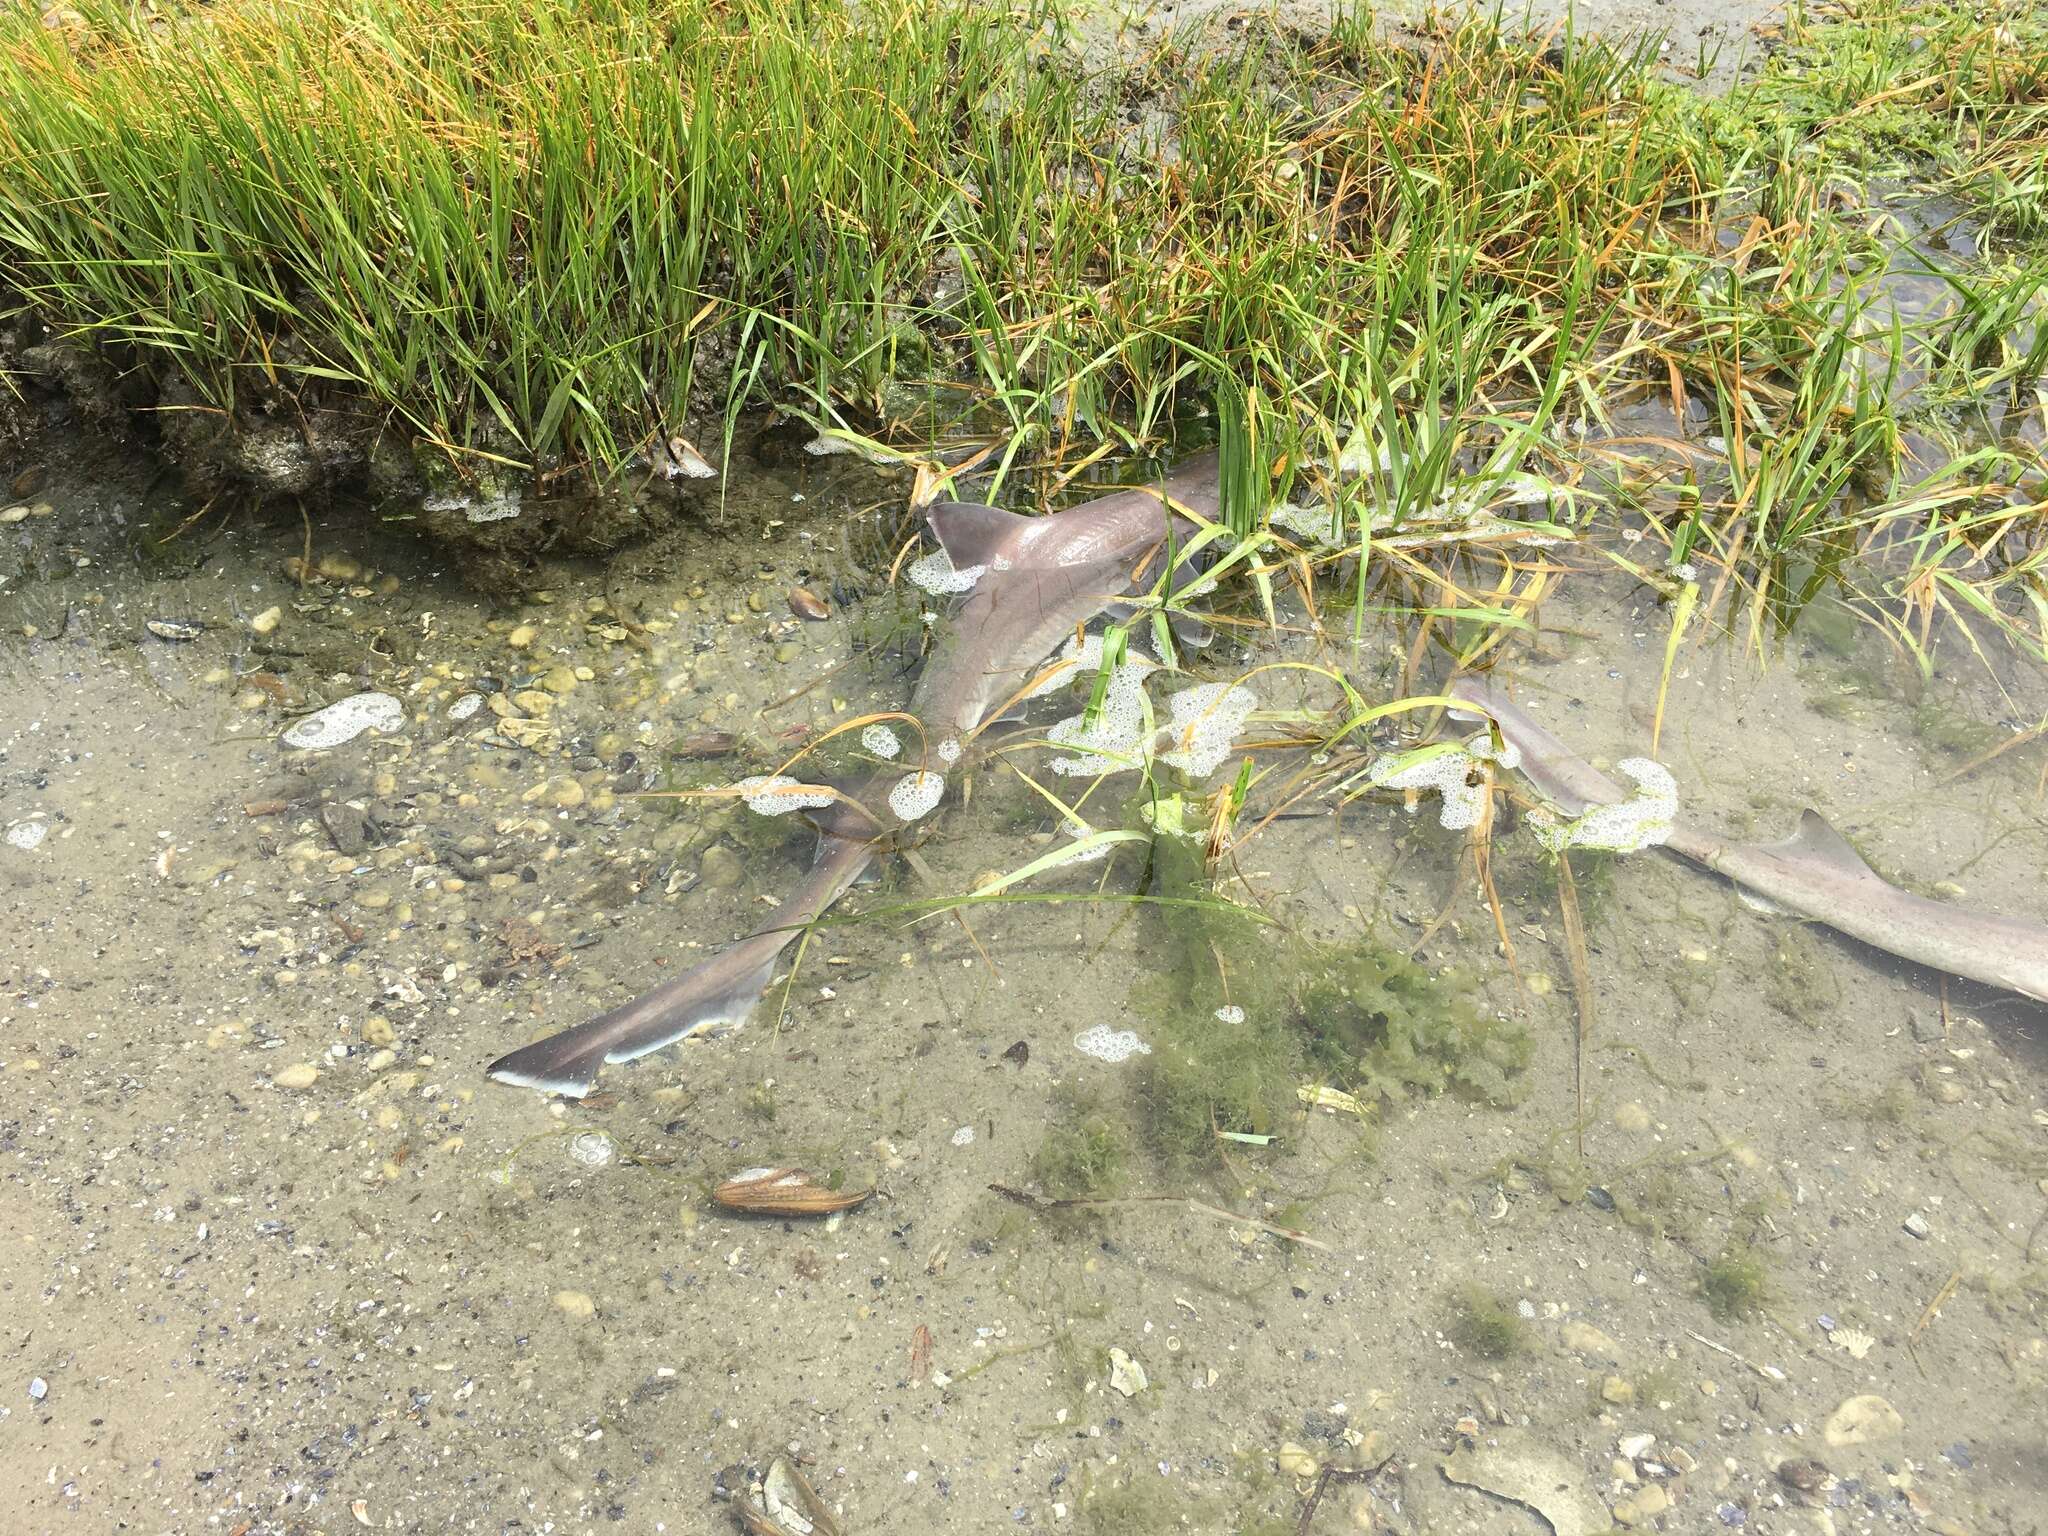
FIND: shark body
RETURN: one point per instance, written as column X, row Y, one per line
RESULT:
column 1814, row 873
column 1041, row 579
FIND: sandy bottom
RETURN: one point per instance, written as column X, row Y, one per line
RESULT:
column 279, row 1259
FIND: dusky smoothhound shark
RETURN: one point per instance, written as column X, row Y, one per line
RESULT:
column 1813, row 873
column 1036, row 581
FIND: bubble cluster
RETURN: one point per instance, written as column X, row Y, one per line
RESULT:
column 1111, row 1045
column 935, row 573
column 949, row 750
column 1206, row 720
column 1230, row 1013
column 1083, row 659
column 915, row 794
column 1115, row 741
column 771, row 794
column 881, row 741
column 1641, row 821
column 1447, row 770
column 345, row 720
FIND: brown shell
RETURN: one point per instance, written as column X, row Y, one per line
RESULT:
column 806, row 604
column 784, row 1192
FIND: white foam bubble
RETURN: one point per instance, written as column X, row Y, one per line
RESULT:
column 1206, row 720
column 949, row 751
column 771, row 794
column 1641, row 821
column 27, row 835
column 465, row 706
column 1230, row 1013
column 964, row 1137
column 344, row 720
column 881, row 741
column 1080, row 660
column 1115, row 741
column 935, row 573
column 915, row 794
column 1444, row 770
column 1111, row 1045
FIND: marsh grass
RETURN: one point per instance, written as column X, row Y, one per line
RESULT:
column 502, row 241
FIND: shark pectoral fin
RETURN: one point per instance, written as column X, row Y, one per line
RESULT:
column 972, row 534
column 1818, row 841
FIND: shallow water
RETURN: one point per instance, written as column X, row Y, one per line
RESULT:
column 280, row 1253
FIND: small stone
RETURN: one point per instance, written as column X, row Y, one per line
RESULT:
column 534, row 701
column 568, row 793
column 379, row 1060
column 1643, row 1506
column 38, row 1389
column 15, row 514
column 1618, row 1391
column 576, row 1303
column 787, row 652
column 267, row 621
column 374, row 900
column 522, row 637
column 1636, row 1446
column 1585, row 1339
column 559, row 679
column 1915, row 1225
column 720, row 868
column 1802, row 1473
column 377, row 1030
column 756, row 603
column 339, row 568
column 303, row 1075
column 1126, row 1375
column 1926, row 1026
column 1860, row 1420
column 1295, row 1460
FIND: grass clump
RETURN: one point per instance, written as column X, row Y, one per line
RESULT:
column 1486, row 1324
column 1734, row 1283
column 1084, row 1154
column 1244, row 1012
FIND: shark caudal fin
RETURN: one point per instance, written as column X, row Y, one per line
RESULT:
column 722, row 990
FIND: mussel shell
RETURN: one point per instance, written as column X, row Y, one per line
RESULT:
column 784, row 1192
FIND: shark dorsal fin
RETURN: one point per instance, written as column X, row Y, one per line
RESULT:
column 972, row 534
column 1820, row 841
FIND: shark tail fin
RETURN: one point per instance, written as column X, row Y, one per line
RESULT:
column 722, row 990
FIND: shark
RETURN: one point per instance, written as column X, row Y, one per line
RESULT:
column 1035, row 581
column 1814, row 873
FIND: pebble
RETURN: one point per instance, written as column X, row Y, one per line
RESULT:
column 1617, row 1390
column 559, row 679
column 1926, row 1026
column 379, row 1060
column 1860, row 1420
column 1915, row 1225
column 522, row 637
column 1644, row 1506
column 1585, row 1339
column 267, row 621
column 302, row 1075
column 787, row 652
column 14, row 514
column 576, row 1303
column 38, row 1389
column 1295, row 1460
column 377, row 1030
column 568, row 793
column 720, row 868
